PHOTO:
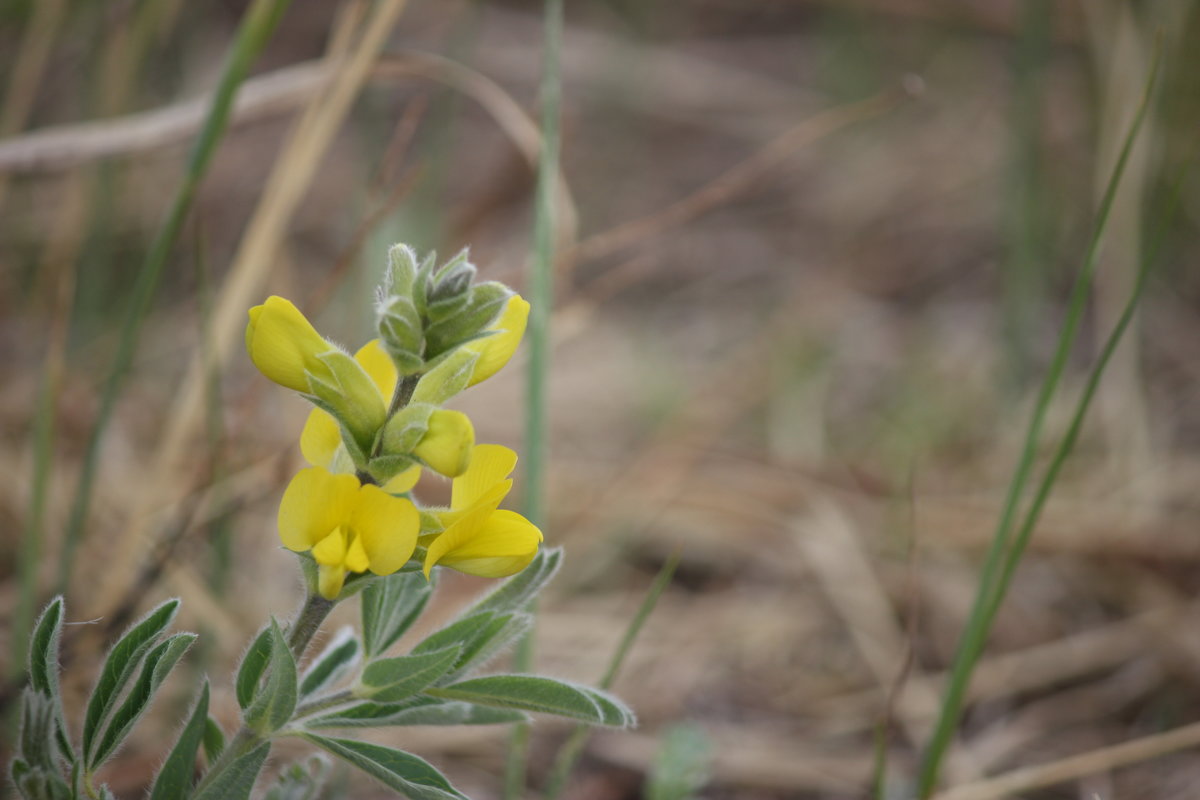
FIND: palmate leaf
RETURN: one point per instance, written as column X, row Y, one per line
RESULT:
column 276, row 699
column 155, row 667
column 540, row 694
column 119, row 667
column 411, row 776
column 333, row 663
column 388, row 680
column 415, row 711
column 174, row 780
column 390, row 605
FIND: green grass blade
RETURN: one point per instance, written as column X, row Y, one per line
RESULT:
column 1005, row 552
column 255, row 30
column 541, row 297
column 572, row 748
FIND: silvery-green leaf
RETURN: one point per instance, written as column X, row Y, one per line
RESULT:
column 301, row 781
column 333, row 663
column 516, row 592
column 236, row 780
column 174, row 779
column 501, row 632
column 157, row 664
column 36, row 742
column 390, row 606
column 415, row 711
column 276, row 699
column 539, row 694
column 463, row 632
column 43, row 649
column 119, row 667
column 412, row 776
column 388, row 680
column 214, row 740
column 251, row 669
column 681, row 767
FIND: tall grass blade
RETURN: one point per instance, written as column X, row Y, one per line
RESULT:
column 255, row 30
column 541, row 296
column 1006, row 549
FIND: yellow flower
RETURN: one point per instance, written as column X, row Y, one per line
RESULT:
column 447, row 445
column 321, row 439
column 284, row 346
column 480, row 538
column 348, row 527
column 495, row 350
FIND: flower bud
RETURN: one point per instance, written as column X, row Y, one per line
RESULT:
column 401, row 272
column 285, row 347
column 447, row 444
column 483, row 305
column 401, row 333
column 451, row 286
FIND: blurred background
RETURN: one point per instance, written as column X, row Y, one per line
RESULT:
column 813, row 259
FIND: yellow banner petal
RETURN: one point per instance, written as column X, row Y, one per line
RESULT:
column 490, row 465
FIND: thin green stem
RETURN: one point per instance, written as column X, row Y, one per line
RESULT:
column 255, row 30
column 541, row 297
column 1004, row 552
column 568, row 754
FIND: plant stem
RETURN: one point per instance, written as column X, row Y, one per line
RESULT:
column 314, row 611
column 404, row 392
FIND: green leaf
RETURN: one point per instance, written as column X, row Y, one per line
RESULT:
column 252, row 666
column 681, row 767
column 174, row 780
column 236, row 781
column 404, row 772
column 516, row 592
column 119, row 667
column 43, row 649
column 214, row 740
column 301, row 781
column 415, row 711
column 37, row 745
column 545, row 695
column 338, row 658
column 390, row 605
column 35, row 783
column 391, row 679
column 276, row 700
column 502, row 631
column 157, row 665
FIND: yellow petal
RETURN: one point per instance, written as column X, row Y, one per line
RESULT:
column 330, row 580
column 356, row 559
column 490, row 464
column 283, row 345
column 379, row 365
column 331, row 551
column 492, row 546
column 387, row 527
column 495, row 350
column 405, row 481
column 320, row 438
column 314, row 504
column 447, row 444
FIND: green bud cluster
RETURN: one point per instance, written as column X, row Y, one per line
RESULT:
column 425, row 313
